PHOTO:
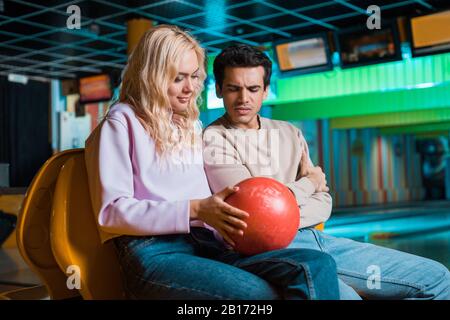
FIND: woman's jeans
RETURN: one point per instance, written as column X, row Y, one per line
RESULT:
column 375, row 272
column 197, row 266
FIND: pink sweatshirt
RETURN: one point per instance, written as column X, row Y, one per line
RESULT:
column 134, row 191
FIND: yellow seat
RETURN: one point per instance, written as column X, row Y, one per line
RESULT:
column 320, row 226
column 33, row 227
column 30, row 293
column 56, row 229
column 75, row 238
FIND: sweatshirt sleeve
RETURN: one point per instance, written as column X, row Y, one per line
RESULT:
column 315, row 207
column 110, row 176
column 223, row 165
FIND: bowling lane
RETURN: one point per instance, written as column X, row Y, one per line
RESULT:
column 421, row 228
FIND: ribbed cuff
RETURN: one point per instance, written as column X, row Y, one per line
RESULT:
column 183, row 223
column 302, row 188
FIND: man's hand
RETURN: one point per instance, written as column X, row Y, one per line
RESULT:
column 317, row 177
column 304, row 164
column 314, row 174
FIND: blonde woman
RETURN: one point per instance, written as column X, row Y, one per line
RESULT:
column 151, row 196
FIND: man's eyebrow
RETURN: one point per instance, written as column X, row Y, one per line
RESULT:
column 238, row 86
column 233, row 85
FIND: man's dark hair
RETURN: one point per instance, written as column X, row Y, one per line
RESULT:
column 241, row 55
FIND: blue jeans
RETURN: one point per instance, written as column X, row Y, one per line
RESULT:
column 197, row 266
column 375, row 272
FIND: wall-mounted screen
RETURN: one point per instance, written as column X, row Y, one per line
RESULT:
column 359, row 47
column 430, row 34
column 95, row 89
column 304, row 55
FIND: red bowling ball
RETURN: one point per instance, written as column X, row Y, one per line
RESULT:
column 274, row 215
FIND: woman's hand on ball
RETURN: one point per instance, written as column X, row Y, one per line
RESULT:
column 223, row 217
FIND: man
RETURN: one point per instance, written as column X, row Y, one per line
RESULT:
column 241, row 144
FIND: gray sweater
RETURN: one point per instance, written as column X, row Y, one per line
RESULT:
column 277, row 150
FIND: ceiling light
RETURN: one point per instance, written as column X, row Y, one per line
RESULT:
column 94, row 28
column 18, row 78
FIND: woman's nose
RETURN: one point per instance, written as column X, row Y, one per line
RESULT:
column 188, row 86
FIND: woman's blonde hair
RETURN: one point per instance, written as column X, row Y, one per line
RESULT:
column 151, row 68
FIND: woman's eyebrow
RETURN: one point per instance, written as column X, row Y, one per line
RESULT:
column 186, row 74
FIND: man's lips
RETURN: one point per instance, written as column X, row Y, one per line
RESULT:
column 242, row 111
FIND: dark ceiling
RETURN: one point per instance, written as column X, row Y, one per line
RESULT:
column 35, row 41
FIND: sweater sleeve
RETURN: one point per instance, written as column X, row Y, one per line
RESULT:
column 110, row 176
column 315, row 207
column 223, row 165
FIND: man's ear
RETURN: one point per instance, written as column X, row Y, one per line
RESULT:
column 218, row 92
column 266, row 92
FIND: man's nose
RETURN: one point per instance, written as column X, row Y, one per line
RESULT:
column 243, row 96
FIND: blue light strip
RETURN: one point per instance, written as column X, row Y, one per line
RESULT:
column 97, row 63
column 36, row 62
column 306, row 24
column 167, row 20
column 70, row 58
column 269, row 16
column 351, row 6
column 425, row 4
column 297, row 15
column 56, row 46
column 241, row 21
column 94, row 63
column 51, row 30
column 200, row 14
column 64, row 13
column 36, row 13
column 81, row 45
column 42, row 73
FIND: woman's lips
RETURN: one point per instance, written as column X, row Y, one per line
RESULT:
column 183, row 99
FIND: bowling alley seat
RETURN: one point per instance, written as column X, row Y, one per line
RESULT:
column 57, row 234
column 56, row 230
column 320, row 227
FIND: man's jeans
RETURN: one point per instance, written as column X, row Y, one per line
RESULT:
column 375, row 272
column 197, row 266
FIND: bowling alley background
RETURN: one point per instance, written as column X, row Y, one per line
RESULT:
column 367, row 82
column 374, row 120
